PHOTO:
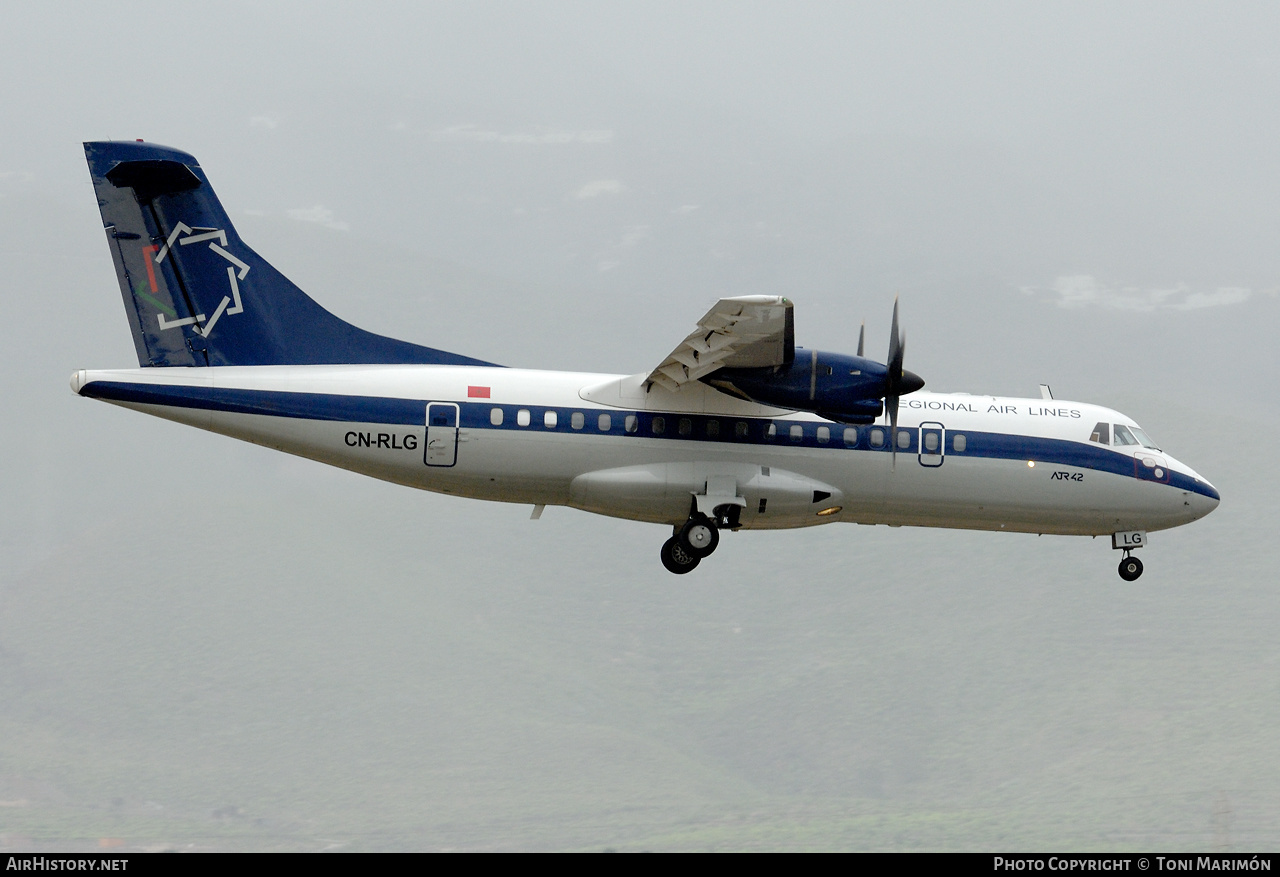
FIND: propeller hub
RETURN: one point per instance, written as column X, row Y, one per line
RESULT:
column 909, row 383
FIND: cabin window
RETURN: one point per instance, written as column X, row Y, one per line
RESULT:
column 797, row 433
column 713, row 428
column 959, row 443
column 904, row 439
column 631, row 423
column 495, row 416
column 522, row 417
column 772, row 432
column 686, row 426
column 877, row 438
column 850, row 436
column 741, row 430
column 1123, row 436
column 577, row 420
column 658, row 425
column 931, row 442
column 1101, row 434
column 604, row 423
column 549, row 420
column 824, row 435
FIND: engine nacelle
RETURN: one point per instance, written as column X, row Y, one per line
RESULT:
column 847, row 389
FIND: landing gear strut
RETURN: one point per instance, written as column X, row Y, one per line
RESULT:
column 1130, row 567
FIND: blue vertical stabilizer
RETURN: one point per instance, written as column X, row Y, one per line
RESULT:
column 195, row 294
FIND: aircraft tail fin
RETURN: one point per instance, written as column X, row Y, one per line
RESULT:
column 195, row 294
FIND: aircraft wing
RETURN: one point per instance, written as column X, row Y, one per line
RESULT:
column 750, row 331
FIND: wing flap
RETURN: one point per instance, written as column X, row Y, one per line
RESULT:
column 750, row 331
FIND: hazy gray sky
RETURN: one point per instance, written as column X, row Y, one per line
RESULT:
column 1152, row 118
column 1099, row 157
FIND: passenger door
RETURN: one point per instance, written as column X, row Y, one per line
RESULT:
column 442, row 434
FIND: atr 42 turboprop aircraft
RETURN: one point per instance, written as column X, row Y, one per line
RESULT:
column 737, row 429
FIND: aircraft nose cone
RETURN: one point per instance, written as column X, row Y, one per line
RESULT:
column 1202, row 499
column 911, row 382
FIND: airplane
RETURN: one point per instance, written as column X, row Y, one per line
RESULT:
column 736, row 429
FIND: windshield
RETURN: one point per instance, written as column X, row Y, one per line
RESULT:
column 1143, row 438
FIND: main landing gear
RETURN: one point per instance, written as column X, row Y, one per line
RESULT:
column 696, row 539
column 1130, row 568
column 677, row 558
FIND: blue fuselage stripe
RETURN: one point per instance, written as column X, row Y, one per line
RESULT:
column 718, row 429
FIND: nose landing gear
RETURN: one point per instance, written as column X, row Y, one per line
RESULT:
column 1127, row 541
column 1130, row 567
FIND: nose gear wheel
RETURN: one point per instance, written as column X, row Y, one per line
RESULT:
column 1130, row 568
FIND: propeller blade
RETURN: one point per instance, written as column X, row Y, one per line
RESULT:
column 894, row 342
column 862, row 337
column 894, row 383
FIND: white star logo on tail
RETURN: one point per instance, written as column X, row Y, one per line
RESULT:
column 230, row 304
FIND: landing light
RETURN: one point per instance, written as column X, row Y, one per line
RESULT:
column 1031, row 464
column 831, row 511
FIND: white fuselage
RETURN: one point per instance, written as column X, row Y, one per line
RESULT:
column 514, row 435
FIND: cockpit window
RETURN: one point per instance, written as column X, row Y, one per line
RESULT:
column 1119, row 434
column 1143, row 438
column 1123, row 436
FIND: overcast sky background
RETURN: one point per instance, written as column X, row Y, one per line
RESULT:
column 1086, row 195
